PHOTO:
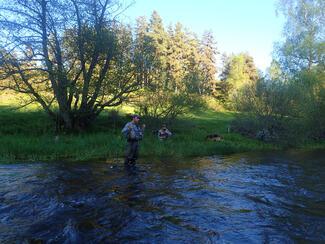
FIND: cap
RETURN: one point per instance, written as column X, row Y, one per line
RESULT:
column 135, row 116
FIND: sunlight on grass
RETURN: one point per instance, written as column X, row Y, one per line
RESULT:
column 29, row 135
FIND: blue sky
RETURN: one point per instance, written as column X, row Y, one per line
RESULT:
column 238, row 25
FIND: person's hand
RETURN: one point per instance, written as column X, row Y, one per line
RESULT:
column 143, row 126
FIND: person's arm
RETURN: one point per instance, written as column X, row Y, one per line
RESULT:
column 168, row 132
column 126, row 130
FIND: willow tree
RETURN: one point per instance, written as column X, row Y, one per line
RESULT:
column 62, row 54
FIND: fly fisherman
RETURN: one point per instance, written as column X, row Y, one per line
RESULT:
column 133, row 134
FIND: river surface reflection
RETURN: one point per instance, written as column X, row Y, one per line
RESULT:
column 270, row 197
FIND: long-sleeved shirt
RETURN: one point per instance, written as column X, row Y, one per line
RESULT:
column 132, row 132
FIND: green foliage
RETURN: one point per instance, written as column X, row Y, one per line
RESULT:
column 265, row 98
column 172, row 67
column 164, row 104
column 70, row 57
column 288, row 106
column 274, row 72
column 77, row 69
column 309, row 87
column 173, row 60
column 266, row 105
column 207, row 63
column 304, row 45
column 27, row 137
column 291, row 112
column 239, row 71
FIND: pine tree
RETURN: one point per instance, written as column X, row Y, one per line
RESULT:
column 143, row 54
column 177, row 58
column 158, row 44
column 194, row 74
column 208, row 64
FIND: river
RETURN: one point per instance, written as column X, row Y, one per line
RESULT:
column 275, row 197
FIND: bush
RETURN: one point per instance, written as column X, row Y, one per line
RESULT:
column 288, row 112
column 266, row 105
column 311, row 100
column 166, row 104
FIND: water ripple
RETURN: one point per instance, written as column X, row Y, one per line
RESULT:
column 278, row 198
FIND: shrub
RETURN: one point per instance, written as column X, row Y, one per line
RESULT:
column 166, row 104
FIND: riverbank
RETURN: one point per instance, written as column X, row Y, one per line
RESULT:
column 28, row 135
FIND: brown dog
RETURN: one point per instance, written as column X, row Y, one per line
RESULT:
column 214, row 137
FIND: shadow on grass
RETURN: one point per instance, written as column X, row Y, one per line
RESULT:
column 29, row 135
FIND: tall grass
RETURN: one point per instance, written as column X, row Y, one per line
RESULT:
column 29, row 135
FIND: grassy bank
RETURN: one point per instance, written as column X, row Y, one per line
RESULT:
column 28, row 134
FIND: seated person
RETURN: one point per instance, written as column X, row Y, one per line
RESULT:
column 164, row 133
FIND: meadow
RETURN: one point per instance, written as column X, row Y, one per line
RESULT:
column 27, row 134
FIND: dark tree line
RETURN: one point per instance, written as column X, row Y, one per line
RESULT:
column 173, row 65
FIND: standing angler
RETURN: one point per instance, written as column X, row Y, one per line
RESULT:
column 133, row 133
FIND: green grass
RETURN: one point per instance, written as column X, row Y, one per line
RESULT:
column 28, row 135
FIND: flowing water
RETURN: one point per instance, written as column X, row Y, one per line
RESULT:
column 248, row 198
